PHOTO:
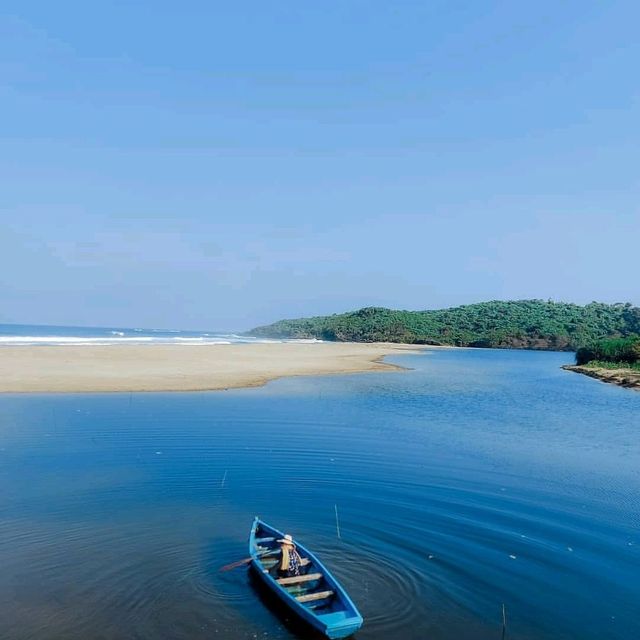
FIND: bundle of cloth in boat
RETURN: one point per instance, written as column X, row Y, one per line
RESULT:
column 290, row 561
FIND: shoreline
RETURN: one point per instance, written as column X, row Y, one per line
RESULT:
column 627, row 378
column 168, row 368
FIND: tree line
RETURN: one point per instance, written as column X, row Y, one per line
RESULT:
column 621, row 351
column 527, row 324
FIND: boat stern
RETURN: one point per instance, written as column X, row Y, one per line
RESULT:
column 339, row 624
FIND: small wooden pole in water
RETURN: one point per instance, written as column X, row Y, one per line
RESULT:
column 224, row 477
column 337, row 523
column 504, row 621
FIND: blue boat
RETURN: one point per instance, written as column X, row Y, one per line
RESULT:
column 315, row 595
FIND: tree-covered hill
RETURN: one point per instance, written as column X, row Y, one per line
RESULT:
column 526, row 324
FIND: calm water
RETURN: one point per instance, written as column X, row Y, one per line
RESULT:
column 480, row 477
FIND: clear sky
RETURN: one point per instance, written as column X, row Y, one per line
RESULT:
column 220, row 165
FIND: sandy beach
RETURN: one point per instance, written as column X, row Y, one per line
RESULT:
column 61, row 369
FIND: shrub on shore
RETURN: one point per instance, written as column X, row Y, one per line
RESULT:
column 603, row 364
column 621, row 351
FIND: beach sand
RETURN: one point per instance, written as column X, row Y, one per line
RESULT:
column 77, row 369
column 629, row 378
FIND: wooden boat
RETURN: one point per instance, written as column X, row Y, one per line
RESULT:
column 315, row 595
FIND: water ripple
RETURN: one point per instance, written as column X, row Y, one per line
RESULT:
column 454, row 496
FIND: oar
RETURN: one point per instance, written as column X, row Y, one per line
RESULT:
column 240, row 563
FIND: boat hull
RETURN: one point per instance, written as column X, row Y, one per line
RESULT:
column 335, row 618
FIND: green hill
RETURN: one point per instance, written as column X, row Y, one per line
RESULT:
column 524, row 324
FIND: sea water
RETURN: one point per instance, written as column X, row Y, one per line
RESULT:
column 49, row 335
column 475, row 479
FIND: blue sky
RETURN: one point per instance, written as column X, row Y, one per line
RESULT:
column 220, row 165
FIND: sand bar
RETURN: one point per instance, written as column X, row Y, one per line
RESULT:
column 629, row 378
column 65, row 369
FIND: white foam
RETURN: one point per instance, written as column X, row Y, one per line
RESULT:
column 119, row 337
column 198, row 340
column 78, row 341
column 67, row 339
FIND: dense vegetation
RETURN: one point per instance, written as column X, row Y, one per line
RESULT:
column 527, row 324
column 613, row 352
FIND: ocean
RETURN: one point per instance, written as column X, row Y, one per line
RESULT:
column 474, row 479
column 29, row 335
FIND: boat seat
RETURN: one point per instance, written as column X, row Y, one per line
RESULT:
column 310, row 597
column 297, row 579
column 264, row 540
column 303, row 563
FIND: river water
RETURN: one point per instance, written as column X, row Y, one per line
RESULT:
column 476, row 478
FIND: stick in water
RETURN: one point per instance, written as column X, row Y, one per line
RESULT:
column 504, row 621
column 224, row 477
column 337, row 523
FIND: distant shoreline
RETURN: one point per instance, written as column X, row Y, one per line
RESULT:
column 627, row 378
column 161, row 367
